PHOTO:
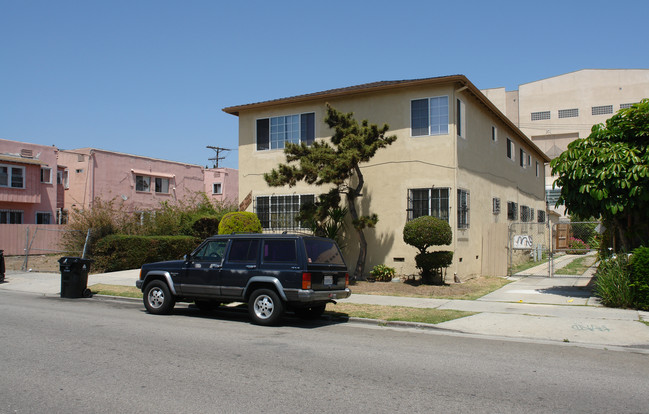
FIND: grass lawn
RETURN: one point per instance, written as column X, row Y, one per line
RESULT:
column 469, row 290
column 577, row 266
column 394, row 313
column 115, row 290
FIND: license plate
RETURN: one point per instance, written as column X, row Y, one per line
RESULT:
column 328, row 280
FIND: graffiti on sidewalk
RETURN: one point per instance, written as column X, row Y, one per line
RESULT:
column 592, row 328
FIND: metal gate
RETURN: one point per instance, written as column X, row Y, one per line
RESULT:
column 529, row 249
column 549, row 249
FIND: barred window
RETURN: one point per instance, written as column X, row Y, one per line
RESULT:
column 463, row 209
column 540, row 116
column 495, row 205
column 602, row 110
column 512, row 210
column 626, row 105
column 280, row 212
column 568, row 113
column 525, row 214
column 541, row 216
column 428, row 202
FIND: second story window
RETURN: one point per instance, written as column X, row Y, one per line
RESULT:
column 273, row 133
column 429, row 116
column 162, row 185
column 142, row 183
column 46, row 175
column 12, row 176
column 217, row 188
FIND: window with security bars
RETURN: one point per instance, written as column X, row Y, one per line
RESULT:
column 626, row 105
column 525, row 214
column 495, row 205
column 463, row 209
column 512, row 211
column 428, row 202
column 540, row 116
column 541, row 216
column 11, row 217
column 280, row 212
column 602, row 110
column 569, row 113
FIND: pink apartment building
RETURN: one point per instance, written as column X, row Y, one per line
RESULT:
column 39, row 184
column 32, row 184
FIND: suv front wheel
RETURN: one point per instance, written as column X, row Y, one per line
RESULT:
column 265, row 307
column 158, row 299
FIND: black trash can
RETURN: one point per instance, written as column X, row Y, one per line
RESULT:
column 74, row 277
column 2, row 266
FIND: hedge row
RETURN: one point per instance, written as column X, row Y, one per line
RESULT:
column 120, row 252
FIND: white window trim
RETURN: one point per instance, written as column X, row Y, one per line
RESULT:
column 220, row 188
column 511, row 149
column 429, row 134
column 47, row 169
column 9, row 167
column 494, row 133
column 148, row 190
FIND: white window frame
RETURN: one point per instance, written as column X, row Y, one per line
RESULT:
column 494, row 133
column 161, row 186
column 301, row 130
column 10, row 168
column 146, row 180
column 49, row 180
column 63, row 178
column 435, row 203
column 282, row 210
column 433, row 113
column 217, row 190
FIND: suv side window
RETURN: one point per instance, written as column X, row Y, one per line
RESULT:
column 243, row 251
column 279, row 251
column 212, row 251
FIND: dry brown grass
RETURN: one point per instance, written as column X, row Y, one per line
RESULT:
column 38, row 263
column 469, row 290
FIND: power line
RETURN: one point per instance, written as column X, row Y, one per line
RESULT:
column 216, row 158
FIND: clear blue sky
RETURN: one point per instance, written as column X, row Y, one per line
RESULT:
column 150, row 77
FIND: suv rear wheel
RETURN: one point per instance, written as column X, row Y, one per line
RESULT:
column 158, row 299
column 265, row 307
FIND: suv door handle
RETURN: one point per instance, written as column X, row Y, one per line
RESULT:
column 251, row 266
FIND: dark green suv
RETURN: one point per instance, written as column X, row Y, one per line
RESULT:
column 270, row 272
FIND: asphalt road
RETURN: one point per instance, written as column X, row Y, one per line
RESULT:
column 94, row 356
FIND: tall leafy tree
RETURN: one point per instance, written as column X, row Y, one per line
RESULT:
column 336, row 163
column 607, row 174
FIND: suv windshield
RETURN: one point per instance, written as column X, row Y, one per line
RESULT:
column 322, row 251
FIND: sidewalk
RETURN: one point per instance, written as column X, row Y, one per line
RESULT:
column 559, row 309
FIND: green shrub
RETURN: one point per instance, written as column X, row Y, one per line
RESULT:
column 383, row 273
column 422, row 233
column 639, row 278
column 432, row 265
column 204, row 227
column 577, row 246
column 427, row 231
column 612, row 284
column 240, row 222
column 120, row 252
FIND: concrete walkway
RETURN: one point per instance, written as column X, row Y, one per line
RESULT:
column 559, row 309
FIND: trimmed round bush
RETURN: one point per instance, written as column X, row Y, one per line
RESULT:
column 240, row 222
column 431, row 265
column 427, row 231
column 205, row 227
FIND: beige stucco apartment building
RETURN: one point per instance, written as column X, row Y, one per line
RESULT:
column 456, row 157
column 555, row 111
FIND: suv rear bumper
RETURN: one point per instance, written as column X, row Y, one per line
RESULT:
column 305, row 296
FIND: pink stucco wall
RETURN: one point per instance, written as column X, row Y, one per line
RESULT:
column 35, row 196
column 228, row 178
column 110, row 175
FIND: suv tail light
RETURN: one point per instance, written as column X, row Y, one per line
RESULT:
column 306, row 281
column 346, row 279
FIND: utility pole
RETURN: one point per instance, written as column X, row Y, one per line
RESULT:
column 218, row 151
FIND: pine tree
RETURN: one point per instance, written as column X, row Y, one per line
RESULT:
column 336, row 164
